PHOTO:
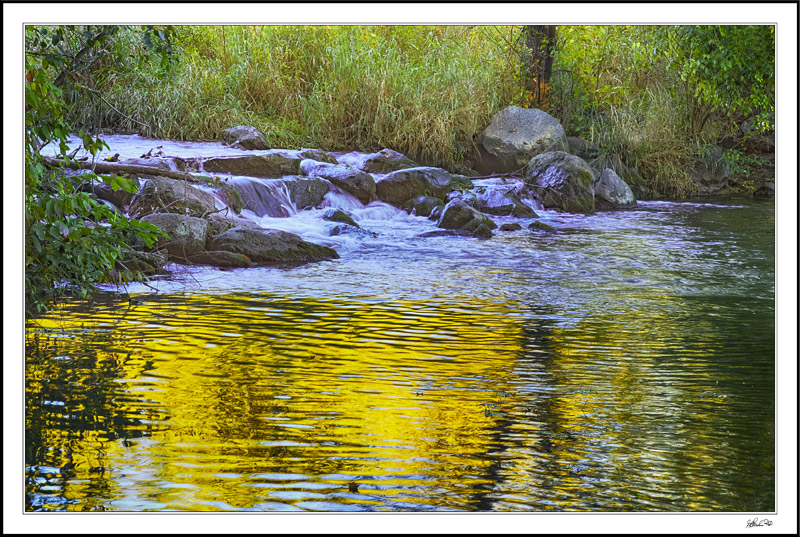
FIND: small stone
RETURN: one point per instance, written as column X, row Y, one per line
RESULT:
column 541, row 226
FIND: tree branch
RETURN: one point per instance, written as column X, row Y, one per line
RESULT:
column 81, row 53
column 118, row 168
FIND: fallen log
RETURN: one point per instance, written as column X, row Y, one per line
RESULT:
column 118, row 168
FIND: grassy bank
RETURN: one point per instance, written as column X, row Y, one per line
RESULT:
column 648, row 96
column 424, row 91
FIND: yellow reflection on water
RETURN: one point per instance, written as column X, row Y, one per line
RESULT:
column 265, row 402
column 221, row 397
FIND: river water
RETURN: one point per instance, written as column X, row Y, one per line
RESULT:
column 625, row 362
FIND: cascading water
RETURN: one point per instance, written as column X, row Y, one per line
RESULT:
column 624, row 362
column 264, row 197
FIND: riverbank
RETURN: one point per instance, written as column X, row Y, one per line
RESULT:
column 239, row 204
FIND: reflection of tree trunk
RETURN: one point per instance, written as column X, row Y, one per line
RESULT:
column 540, row 43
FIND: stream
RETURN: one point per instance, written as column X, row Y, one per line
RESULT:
column 623, row 362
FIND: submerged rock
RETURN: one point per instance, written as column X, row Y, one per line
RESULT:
column 386, row 161
column 541, row 226
column 280, row 197
column 397, row 188
column 264, row 197
column 186, row 235
column 359, row 184
column 510, row 227
column 445, row 233
column 515, row 135
column 245, row 137
column 270, row 246
column 611, row 192
column 162, row 195
column 560, row 180
column 346, row 229
column 338, row 215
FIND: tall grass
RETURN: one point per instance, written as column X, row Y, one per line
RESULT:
column 617, row 86
column 422, row 90
column 426, row 91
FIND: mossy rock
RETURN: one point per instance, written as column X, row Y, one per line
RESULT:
column 338, row 215
column 541, row 226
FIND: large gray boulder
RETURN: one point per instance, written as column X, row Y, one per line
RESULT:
column 399, row 187
column 270, row 246
column 163, row 195
column 611, row 192
column 562, row 181
column 460, row 216
column 386, row 161
column 245, row 137
column 359, row 184
column 270, row 164
column 515, row 135
column 186, row 235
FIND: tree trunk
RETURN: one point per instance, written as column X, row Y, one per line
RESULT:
column 539, row 45
column 118, row 169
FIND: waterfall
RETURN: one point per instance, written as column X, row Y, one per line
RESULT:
column 264, row 197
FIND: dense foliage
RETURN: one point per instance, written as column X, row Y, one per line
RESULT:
column 72, row 241
column 422, row 90
column 653, row 95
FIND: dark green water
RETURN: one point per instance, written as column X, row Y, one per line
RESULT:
column 624, row 363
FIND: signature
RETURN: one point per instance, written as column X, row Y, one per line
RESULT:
column 754, row 523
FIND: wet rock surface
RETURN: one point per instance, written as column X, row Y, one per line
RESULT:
column 356, row 182
column 458, row 215
column 270, row 246
column 562, row 181
column 397, row 188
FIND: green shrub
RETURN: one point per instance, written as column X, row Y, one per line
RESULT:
column 72, row 241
